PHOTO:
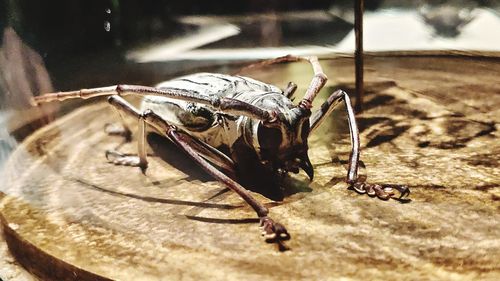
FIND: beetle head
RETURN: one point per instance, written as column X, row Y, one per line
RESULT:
column 282, row 144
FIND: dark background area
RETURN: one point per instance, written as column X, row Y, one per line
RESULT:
column 79, row 26
column 84, row 42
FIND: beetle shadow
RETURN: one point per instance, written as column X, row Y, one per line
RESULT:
column 257, row 178
column 273, row 187
column 153, row 199
column 249, row 172
column 167, row 151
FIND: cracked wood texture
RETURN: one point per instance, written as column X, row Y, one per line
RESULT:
column 430, row 122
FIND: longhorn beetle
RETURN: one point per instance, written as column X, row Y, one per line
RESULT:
column 203, row 113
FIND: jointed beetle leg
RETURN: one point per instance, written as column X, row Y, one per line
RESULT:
column 290, row 90
column 273, row 231
column 207, row 157
column 117, row 130
column 383, row 192
column 139, row 160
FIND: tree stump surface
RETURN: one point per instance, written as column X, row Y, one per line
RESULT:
column 429, row 122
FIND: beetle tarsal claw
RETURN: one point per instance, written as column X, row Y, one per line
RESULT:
column 383, row 192
column 274, row 232
column 119, row 158
column 404, row 191
column 359, row 187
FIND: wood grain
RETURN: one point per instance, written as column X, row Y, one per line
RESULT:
column 429, row 122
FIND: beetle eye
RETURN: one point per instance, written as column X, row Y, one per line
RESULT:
column 304, row 134
column 269, row 137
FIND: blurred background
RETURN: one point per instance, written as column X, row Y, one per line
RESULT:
column 75, row 35
column 68, row 44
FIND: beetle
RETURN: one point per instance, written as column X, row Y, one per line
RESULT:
column 222, row 121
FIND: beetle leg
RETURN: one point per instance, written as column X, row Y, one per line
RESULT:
column 317, row 82
column 264, row 63
column 148, row 117
column 139, row 160
column 381, row 191
column 213, row 155
column 123, row 130
column 201, row 153
column 325, row 109
column 273, row 231
column 290, row 90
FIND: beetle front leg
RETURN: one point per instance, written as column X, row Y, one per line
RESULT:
column 381, row 191
column 199, row 152
column 274, row 232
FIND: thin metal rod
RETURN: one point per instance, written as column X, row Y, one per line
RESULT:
column 359, row 7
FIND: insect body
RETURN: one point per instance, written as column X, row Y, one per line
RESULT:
column 205, row 123
column 228, row 122
column 286, row 141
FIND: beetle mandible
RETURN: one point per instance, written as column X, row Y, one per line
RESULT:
column 217, row 119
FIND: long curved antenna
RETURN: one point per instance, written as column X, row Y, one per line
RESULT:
column 223, row 104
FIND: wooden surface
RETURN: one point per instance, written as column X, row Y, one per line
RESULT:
column 430, row 122
column 10, row 269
